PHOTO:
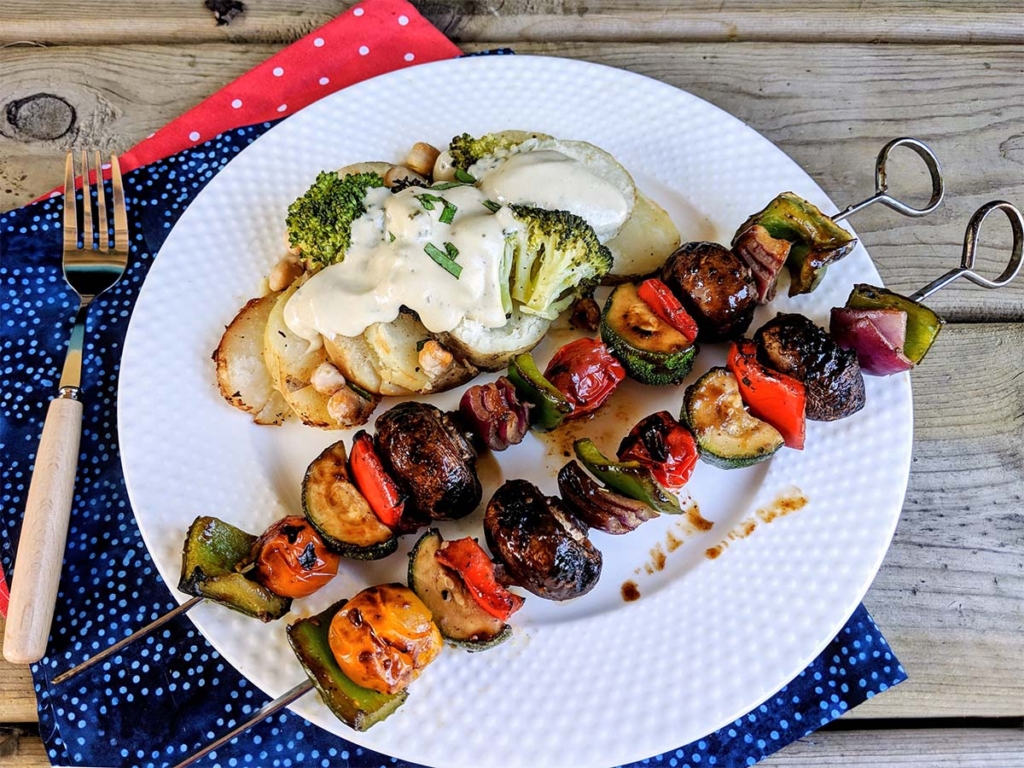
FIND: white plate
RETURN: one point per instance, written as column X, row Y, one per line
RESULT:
column 595, row 681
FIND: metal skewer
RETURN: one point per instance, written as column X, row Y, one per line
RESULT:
column 971, row 236
column 265, row 711
column 155, row 624
column 881, row 182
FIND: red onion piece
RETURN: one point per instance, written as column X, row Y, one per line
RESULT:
column 496, row 414
column 876, row 335
column 597, row 506
column 765, row 255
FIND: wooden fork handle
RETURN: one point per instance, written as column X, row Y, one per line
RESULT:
column 43, row 534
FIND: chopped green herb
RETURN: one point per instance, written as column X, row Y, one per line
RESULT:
column 448, row 185
column 448, row 214
column 360, row 391
column 465, row 178
column 391, row 235
column 492, row 206
column 427, row 201
column 420, row 344
column 445, row 260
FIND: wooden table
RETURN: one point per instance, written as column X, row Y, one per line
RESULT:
column 826, row 80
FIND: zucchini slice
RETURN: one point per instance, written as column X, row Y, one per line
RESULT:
column 462, row 622
column 340, row 513
column 213, row 551
column 727, row 436
column 357, row 707
column 651, row 350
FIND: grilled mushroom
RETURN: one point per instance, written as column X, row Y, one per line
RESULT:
column 430, row 459
column 794, row 345
column 542, row 546
column 715, row 286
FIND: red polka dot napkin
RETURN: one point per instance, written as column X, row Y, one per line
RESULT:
column 371, row 38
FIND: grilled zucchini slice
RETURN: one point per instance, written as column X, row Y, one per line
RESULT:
column 651, row 350
column 462, row 622
column 727, row 436
column 340, row 513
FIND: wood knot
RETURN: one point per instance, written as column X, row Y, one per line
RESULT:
column 41, row 116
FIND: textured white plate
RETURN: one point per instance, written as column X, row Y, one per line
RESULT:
column 596, row 681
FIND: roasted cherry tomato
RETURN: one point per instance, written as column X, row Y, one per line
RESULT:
column 291, row 560
column 664, row 304
column 586, row 373
column 467, row 558
column 771, row 396
column 383, row 638
column 660, row 442
column 373, row 481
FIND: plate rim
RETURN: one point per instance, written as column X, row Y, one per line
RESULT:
column 513, row 62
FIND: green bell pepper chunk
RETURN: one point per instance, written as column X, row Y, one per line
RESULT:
column 817, row 240
column 630, row 478
column 356, row 706
column 214, row 553
column 550, row 405
column 923, row 325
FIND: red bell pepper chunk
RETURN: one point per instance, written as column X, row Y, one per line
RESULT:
column 665, row 446
column 664, row 304
column 373, row 481
column 771, row 396
column 467, row 558
column 586, row 373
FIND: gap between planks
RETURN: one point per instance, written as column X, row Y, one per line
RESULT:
column 67, row 22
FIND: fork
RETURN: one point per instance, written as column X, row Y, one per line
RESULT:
column 89, row 270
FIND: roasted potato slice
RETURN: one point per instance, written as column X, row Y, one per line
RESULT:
column 291, row 361
column 643, row 244
column 385, row 360
column 492, row 349
column 241, row 372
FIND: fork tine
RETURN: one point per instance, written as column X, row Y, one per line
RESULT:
column 120, row 213
column 101, row 204
column 87, row 232
column 70, row 208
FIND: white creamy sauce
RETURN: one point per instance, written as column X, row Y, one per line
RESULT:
column 549, row 179
column 389, row 265
column 380, row 275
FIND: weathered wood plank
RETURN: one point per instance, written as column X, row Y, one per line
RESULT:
column 925, row 748
column 17, row 695
column 831, row 113
column 71, row 22
column 19, row 749
column 952, row 585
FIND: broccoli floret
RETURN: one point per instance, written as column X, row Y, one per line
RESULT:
column 320, row 222
column 558, row 258
column 465, row 150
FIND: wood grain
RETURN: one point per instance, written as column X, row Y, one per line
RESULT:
column 830, row 113
column 17, row 694
column 73, row 22
column 938, row 748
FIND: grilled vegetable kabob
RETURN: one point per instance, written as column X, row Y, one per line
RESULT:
column 257, row 576
column 891, row 333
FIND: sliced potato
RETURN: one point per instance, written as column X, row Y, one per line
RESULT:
column 385, row 360
column 491, row 349
column 241, row 373
column 275, row 412
column 644, row 243
column 355, row 359
column 291, row 361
